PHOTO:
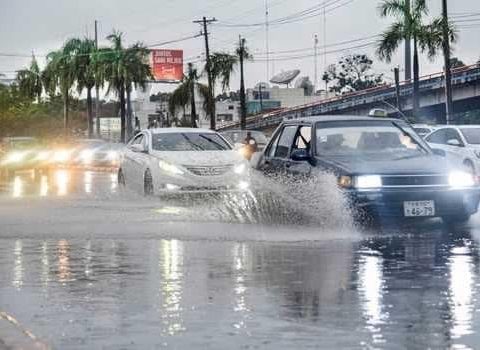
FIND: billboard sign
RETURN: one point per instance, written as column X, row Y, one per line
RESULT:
column 167, row 65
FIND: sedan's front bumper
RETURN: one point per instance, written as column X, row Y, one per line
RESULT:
column 390, row 202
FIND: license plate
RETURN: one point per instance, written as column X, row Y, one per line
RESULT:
column 419, row 208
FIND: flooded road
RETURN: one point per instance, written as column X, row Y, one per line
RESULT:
column 85, row 265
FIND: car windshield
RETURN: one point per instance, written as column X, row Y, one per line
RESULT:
column 472, row 135
column 189, row 142
column 422, row 131
column 365, row 138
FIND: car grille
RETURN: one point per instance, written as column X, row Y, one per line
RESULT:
column 414, row 180
column 209, row 170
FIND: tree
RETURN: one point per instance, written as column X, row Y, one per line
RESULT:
column 409, row 25
column 59, row 74
column 184, row 94
column 456, row 63
column 30, row 81
column 85, row 72
column 242, row 54
column 352, row 73
column 222, row 66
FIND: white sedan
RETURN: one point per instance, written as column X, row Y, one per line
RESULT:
column 182, row 160
column 461, row 143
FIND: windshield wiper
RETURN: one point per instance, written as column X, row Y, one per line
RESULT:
column 198, row 147
column 220, row 146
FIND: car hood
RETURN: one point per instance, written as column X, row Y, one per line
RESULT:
column 200, row 158
column 422, row 164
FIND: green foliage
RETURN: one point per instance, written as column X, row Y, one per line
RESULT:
column 352, row 73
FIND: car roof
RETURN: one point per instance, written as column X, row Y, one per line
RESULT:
column 333, row 118
column 178, row 130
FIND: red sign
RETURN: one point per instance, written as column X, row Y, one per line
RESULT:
column 167, row 64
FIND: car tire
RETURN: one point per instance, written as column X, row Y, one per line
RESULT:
column 469, row 166
column 121, row 178
column 148, row 183
column 456, row 219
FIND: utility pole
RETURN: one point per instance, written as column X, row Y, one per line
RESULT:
column 396, row 72
column 266, row 40
column 211, row 104
column 448, row 71
column 193, row 108
column 243, row 104
column 315, row 46
column 97, row 103
column 260, row 95
column 408, row 52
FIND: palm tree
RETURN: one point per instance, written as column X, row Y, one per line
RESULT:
column 59, row 74
column 184, row 94
column 242, row 54
column 84, row 71
column 138, row 72
column 222, row 65
column 409, row 25
column 30, row 81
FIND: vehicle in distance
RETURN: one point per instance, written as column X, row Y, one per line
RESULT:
column 382, row 166
column 182, row 160
column 423, row 129
column 460, row 142
column 239, row 139
column 21, row 153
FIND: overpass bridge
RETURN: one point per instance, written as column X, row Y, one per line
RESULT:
column 466, row 96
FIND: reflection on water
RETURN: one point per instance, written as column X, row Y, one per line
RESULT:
column 18, row 264
column 462, row 283
column 371, row 289
column 171, row 288
column 63, row 252
column 377, row 293
column 17, row 187
column 44, row 186
column 87, row 180
column 61, row 180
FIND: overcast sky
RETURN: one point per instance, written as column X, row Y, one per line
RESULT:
column 43, row 25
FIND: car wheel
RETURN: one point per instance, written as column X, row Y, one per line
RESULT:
column 121, row 178
column 456, row 219
column 148, row 184
column 469, row 166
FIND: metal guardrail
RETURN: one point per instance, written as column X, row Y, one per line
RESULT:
column 383, row 92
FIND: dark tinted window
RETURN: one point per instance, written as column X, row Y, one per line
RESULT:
column 472, row 135
column 285, row 141
column 189, row 142
column 438, row 137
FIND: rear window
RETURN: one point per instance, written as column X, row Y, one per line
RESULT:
column 472, row 135
column 189, row 142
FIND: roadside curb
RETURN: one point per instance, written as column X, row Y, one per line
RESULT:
column 16, row 337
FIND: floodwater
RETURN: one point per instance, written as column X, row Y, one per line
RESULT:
column 86, row 266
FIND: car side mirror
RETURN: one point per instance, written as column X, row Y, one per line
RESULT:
column 454, row 142
column 139, row 148
column 300, row 155
column 439, row 152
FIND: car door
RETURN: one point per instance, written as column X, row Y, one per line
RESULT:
column 301, row 142
column 133, row 159
column 278, row 153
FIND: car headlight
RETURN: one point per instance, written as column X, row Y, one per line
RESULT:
column 368, row 181
column 14, row 157
column 240, row 168
column 112, row 155
column 345, row 181
column 87, row 156
column 459, row 179
column 170, row 168
column 42, row 155
column 61, row 156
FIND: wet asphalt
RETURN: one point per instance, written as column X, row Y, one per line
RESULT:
column 87, row 265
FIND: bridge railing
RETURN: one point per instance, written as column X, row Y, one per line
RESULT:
column 379, row 88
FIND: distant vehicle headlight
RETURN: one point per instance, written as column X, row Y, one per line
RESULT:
column 42, row 155
column 61, row 156
column 87, row 156
column 368, row 181
column 112, row 155
column 459, row 179
column 170, row 168
column 15, row 157
column 240, row 168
